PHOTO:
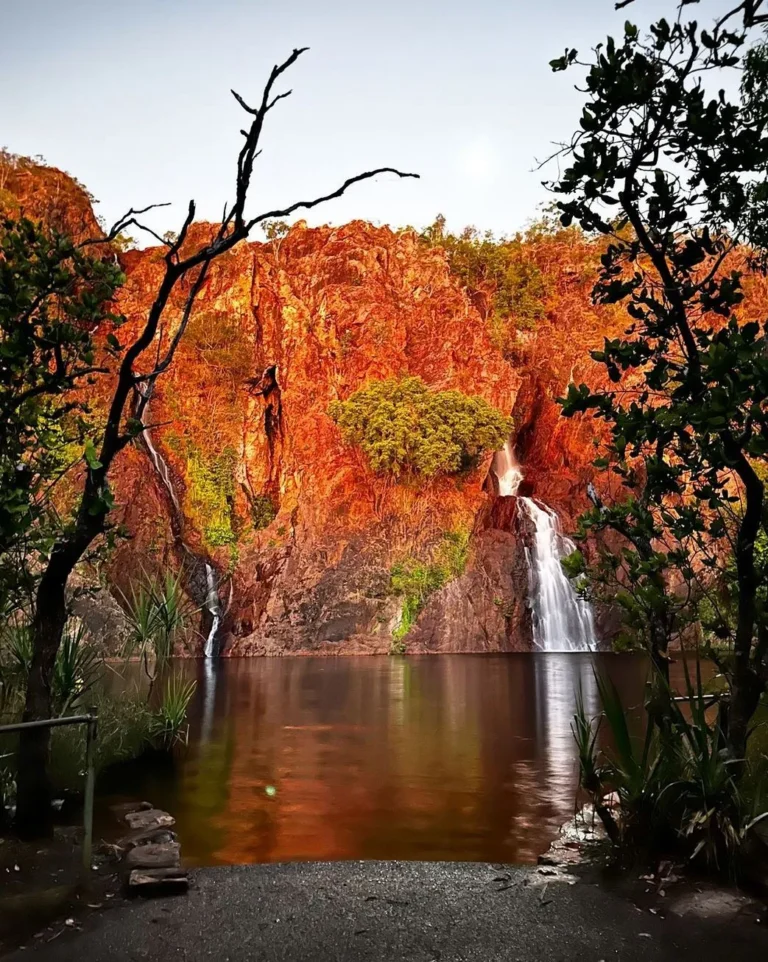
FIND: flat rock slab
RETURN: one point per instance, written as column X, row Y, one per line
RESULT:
column 164, row 855
column 121, row 809
column 144, row 836
column 718, row 905
column 163, row 881
column 149, row 818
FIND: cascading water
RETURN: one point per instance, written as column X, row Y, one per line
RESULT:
column 157, row 459
column 507, row 471
column 211, row 595
column 213, row 606
column 561, row 620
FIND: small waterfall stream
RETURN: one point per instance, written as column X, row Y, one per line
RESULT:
column 214, row 607
column 562, row 621
column 158, row 461
column 212, row 603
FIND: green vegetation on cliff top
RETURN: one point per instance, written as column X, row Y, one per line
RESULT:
column 404, row 428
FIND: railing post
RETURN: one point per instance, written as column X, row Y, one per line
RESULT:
column 90, row 782
column 91, row 722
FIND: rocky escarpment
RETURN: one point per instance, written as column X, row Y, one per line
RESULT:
column 302, row 534
column 255, row 480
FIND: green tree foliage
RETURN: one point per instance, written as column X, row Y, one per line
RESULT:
column 275, row 229
column 211, row 494
column 674, row 176
column 52, row 296
column 405, row 429
column 501, row 267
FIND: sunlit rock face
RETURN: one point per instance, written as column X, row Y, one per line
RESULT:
column 28, row 189
column 307, row 320
column 302, row 535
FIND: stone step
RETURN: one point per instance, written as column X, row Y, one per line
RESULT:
column 160, row 881
column 151, row 856
column 144, row 836
column 148, row 819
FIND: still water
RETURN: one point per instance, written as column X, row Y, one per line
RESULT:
column 435, row 757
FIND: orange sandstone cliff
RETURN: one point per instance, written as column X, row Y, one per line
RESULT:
column 302, row 535
column 244, row 483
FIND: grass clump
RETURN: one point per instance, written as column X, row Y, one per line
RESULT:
column 415, row 580
column 75, row 670
column 405, row 429
column 157, row 613
column 168, row 725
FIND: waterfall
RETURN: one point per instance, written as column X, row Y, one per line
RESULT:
column 211, row 593
column 212, row 604
column 562, row 621
column 157, row 459
column 507, row 471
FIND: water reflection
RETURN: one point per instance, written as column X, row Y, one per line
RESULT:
column 208, row 682
column 450, row 757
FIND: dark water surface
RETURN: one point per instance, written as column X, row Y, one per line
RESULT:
column 434, row 757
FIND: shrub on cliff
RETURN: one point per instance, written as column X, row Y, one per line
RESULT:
column 415, row 580
column 211, row 494
column 405, row 429
column 502, row 266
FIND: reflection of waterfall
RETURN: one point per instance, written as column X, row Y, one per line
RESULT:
column 562, row 621
column 558, row 681
column 212, row 604
column 209, row 700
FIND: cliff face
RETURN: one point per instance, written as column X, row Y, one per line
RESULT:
column 244, row 470
column 41, row 193
column 302, row 534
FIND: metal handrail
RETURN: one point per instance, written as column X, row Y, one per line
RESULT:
column 91, row 720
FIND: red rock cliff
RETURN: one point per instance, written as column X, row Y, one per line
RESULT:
column 300, row 533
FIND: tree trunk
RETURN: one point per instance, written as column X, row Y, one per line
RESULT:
column 745, row 697
column 746, row 686
column 33, row 797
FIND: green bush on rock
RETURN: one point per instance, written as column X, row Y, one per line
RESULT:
column 415, row 580
column 263, row 511
column 405, row 429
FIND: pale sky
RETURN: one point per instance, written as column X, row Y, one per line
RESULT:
column 133, row 99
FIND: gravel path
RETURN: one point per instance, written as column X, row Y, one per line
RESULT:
column 387, row 911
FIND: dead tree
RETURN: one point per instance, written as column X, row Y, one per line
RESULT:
column 184, row 269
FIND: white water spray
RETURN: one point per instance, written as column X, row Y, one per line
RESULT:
column 562, row 621
column 212, row 604
column 507, row 471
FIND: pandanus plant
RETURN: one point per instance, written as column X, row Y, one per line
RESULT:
column 675, row 785
column 157, row 612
